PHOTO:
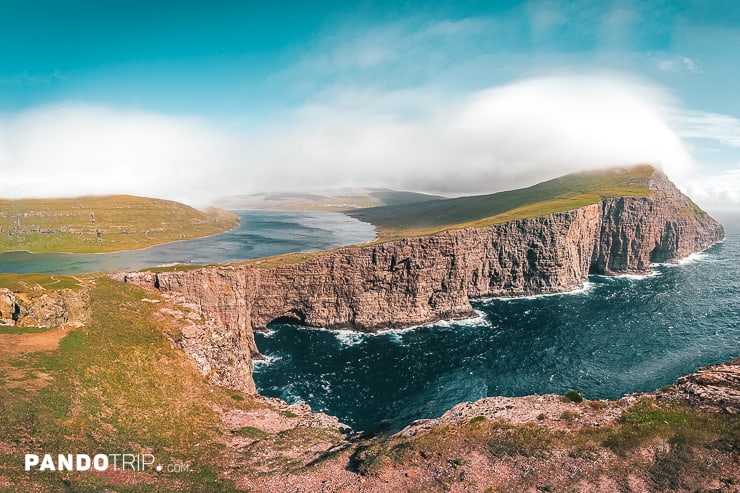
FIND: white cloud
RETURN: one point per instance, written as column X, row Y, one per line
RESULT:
column 70, row 150
column 679, row 64
column 724, row 129
column 491, row 140
column 495, row 139
column 717, row 191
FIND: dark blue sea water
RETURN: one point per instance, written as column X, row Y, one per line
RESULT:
column 259, row 234
column 617, row 336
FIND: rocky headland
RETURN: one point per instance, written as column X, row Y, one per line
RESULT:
column 124, row 349
column 420, row 280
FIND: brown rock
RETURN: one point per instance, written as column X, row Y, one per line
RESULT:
column 9, row 307
column 713, row 388
column 56, row 308
column 421, row 280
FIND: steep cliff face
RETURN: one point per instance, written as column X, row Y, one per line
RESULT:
column 217, row 334
column 638, row 231
column 420, row 280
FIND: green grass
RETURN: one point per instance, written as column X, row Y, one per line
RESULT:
column 22, row 330
column 103, row 224
column 572, row 396
column 116, row 385
column 251, row 432
column 23, row 283
column 561, row 194
column 692, row 435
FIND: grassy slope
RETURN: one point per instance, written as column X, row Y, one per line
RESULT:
column 118, row 385
column 25, row 282
column 561, row 194
column 124, row 222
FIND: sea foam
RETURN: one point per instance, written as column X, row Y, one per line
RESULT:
column 587, row 287
column 348, row 337
column 267, row 359
column 636, row 277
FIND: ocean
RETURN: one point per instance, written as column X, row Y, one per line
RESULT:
column 618, row 335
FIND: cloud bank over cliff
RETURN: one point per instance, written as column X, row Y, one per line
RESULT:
column 488, row 140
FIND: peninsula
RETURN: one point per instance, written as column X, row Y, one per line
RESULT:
column 165, row 367
column 545, row 239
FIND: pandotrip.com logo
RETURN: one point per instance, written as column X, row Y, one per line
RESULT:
column 100, row 463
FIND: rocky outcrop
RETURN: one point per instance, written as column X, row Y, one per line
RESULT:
column 50, row 309
column 213, row 334
column 420, row 280
column 9, row 307
column 638, row 231
column 714, row 388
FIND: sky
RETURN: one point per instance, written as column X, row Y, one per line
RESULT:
column 193, row 101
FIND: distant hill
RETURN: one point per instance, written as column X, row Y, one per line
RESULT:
column 561, row 194
column 325, row 200
column 103, row 224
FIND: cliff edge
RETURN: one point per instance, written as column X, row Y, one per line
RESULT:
column 423, row 279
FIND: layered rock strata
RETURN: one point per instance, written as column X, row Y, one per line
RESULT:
column 420, row 280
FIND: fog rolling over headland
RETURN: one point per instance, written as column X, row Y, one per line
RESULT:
column 493, row 139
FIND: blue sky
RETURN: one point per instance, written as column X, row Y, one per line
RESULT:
column 164, row 98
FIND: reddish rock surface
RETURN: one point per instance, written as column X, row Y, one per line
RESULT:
column 467, row 465
column 421, row 280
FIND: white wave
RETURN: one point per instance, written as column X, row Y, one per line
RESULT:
column 636, row 277
column 586, row 288
column 349, row 337
column 266, row 332
column 290, row 397
column 267, row 359
column 694, row 258
column 395, row 338
column 700, row 256
column 477, row 321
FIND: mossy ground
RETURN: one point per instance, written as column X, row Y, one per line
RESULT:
column 103, row 224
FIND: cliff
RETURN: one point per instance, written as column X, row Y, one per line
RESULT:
column 423, row 279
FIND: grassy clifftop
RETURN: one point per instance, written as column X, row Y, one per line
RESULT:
column 103, row 224
column 118, row 385
column 561, row 194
